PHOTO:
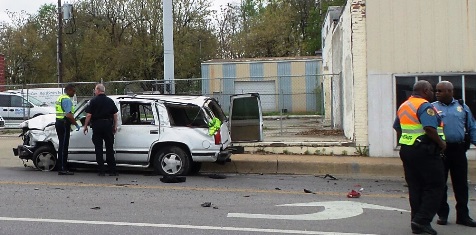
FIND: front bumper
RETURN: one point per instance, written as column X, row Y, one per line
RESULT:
column 23, row 151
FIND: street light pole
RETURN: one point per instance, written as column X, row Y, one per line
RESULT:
column 59, row 43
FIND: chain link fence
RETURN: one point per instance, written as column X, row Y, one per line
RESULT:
column 280, row 96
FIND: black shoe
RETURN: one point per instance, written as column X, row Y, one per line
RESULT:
column 65, row 173
column 101, row 174
column 419, row 228
column 467, row 222
column 442, row 220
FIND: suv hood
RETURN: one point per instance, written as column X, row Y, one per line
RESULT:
column 39, row 122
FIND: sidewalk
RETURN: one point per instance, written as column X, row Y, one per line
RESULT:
column 360, row 167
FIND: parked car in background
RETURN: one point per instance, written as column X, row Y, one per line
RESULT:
column 15, row 109
column 170, row 133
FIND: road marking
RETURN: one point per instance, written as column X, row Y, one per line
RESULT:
column 260, row 230
column 332, row 210
column 236, row 190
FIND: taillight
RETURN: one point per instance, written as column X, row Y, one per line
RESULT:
column 217, row 137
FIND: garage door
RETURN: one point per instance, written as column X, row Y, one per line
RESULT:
column 266, row 90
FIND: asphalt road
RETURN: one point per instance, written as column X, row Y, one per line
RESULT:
column 36, row 202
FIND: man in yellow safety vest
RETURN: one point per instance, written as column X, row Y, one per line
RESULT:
column 64, row 119
column 420, row 133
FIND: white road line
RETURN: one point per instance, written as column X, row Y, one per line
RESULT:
column 175, row 226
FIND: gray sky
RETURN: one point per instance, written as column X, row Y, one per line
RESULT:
column 31, row 6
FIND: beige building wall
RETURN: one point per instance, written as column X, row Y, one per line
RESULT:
column 298, row 84
column 408, row 36
column 243, row 72
column 216, row 71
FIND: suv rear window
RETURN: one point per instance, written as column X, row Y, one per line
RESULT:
column 186, row 115
column 215, row 108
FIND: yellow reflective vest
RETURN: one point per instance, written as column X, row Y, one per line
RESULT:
column 410, row 123
column 59, row 109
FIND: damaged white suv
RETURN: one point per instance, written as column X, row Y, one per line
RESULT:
column 173, row 134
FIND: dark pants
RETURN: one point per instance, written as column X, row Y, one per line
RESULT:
column 457, row 165
column 63, row 129
column 102, row 131
column 424, row 174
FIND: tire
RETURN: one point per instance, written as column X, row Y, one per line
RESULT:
column 172, row 161
column 44, row 158
column 196, row 167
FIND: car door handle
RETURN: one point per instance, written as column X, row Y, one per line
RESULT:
column 154, row 132
column 11, row 110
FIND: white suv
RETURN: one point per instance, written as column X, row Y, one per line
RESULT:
column 169, row 133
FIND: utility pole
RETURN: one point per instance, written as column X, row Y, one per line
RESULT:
column 169, row 82
column 59, row 43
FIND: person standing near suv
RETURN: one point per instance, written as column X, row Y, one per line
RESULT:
column 102, row 113
column 457, row 117
column 64, row 119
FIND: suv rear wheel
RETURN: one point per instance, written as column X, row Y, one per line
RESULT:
column 172, row 161
column 44, row 158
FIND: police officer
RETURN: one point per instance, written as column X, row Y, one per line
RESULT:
column 64, row 120
column 420, row 134
column 457, row 117
column 102, row 113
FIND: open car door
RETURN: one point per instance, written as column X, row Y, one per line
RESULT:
column 246, row 118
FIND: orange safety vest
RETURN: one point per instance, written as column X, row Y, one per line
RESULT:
column 409, row 122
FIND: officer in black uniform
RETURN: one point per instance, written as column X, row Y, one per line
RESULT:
column 102, row 113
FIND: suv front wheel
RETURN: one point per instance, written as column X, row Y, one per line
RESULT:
column 172, row 161
column 44, row 158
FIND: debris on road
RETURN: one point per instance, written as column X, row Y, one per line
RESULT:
column 353, row 194
column 173, row 179
column 206, row 204
column 327, row 176
column 277, row 188
column 96, row 208
column 308, row 191
column 217, row 176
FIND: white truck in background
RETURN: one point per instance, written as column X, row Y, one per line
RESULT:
column 47, row 96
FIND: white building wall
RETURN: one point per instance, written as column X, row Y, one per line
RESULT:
column 359, row 61
column 339, row 84
column 347, row 74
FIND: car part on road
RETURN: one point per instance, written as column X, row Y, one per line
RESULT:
column 173, row 179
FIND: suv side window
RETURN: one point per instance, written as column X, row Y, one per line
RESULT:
column 137, row 114
column 186, row 115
